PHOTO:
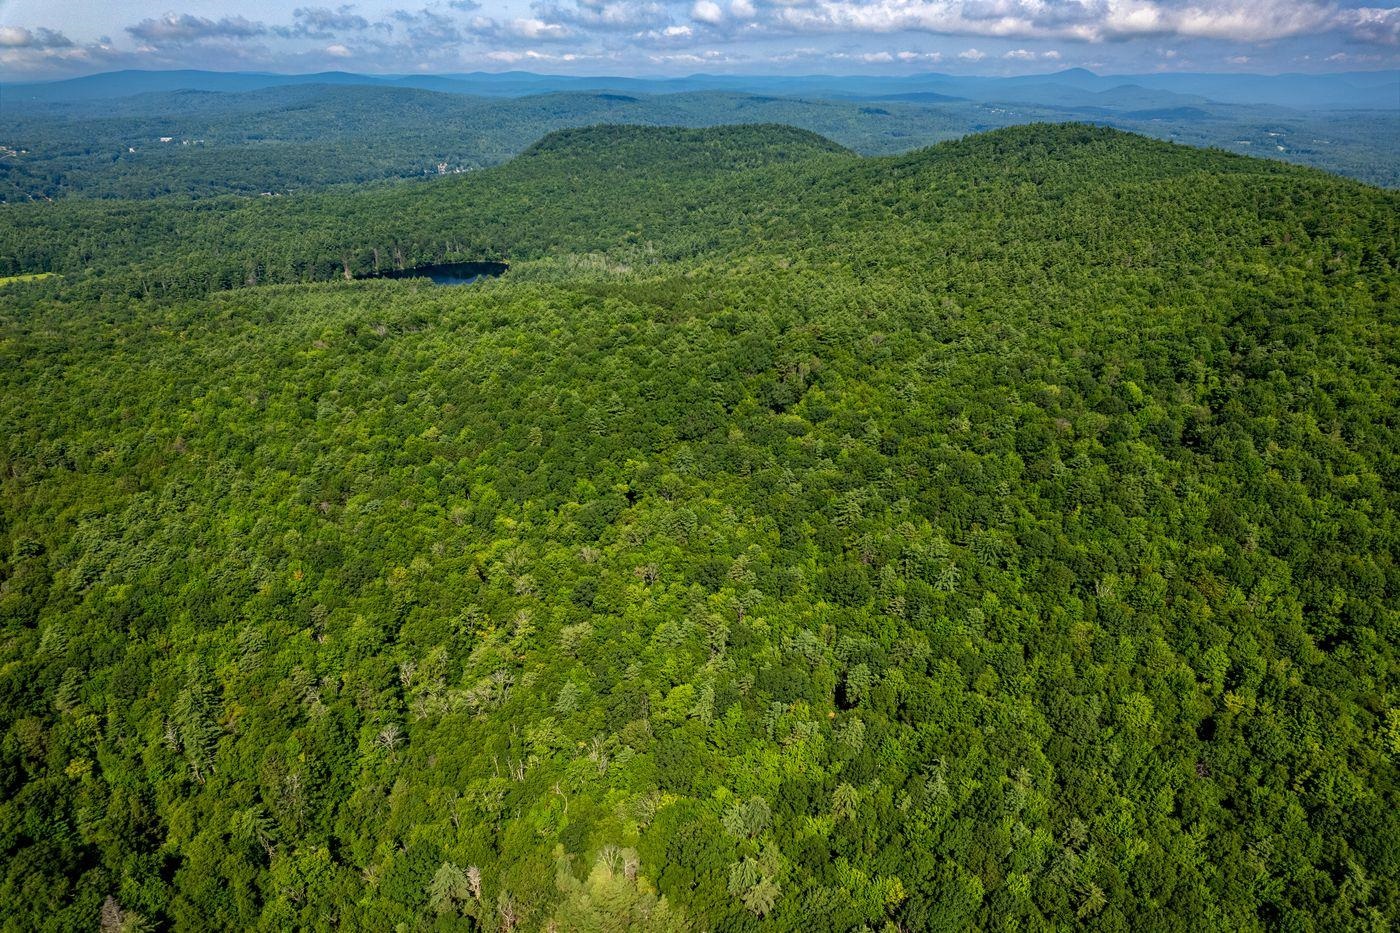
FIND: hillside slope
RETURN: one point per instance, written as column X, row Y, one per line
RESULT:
column 998, row 536
column 575, row 191
column 644, row 194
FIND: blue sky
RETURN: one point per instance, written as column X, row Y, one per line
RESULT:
column 42, row 38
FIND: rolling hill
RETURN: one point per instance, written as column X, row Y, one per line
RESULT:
column 997, row 535
column 246, row 138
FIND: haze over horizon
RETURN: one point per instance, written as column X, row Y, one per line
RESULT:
column 666, row 38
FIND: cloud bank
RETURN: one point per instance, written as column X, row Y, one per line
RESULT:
column 756, row 35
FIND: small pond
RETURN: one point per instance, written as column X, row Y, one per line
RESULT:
column 449, row 273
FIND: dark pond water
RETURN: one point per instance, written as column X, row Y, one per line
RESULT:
column 450, row 273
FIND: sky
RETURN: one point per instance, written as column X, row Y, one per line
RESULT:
column 48, row 39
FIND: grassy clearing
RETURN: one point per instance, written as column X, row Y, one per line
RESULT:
column 27, row 277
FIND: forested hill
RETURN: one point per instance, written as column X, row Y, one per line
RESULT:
column 572, row 192
column 179, row 141
column 303, row 138
column 676, row 149
column 665, row 194
column 996, row 537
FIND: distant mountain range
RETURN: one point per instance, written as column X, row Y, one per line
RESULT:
column 1074, row 87
column 202, row 133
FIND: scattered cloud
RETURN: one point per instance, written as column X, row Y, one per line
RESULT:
column 707, row 58
column 1084, row 20
column 671, row 35
column 427, row 27
column 537, row 29
column 175, row 28
column 619, row 16
column 1377, row 25
column 537, row 56
column 17, row 37
column 755, row 35
column 319, row 22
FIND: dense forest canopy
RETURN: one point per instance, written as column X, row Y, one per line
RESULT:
column 996, row 536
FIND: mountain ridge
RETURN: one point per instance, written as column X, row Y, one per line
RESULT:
column 1374, row 90
column 686, row 192
column 284, row 138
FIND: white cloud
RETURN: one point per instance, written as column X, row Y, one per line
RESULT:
column 538, row 29
column 972, row 55
column 1241, row 20
column 670, row 34
column 338, row 50
column 707, row 58
column 1091, row 20
column 707, row 11
column 17, row 37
